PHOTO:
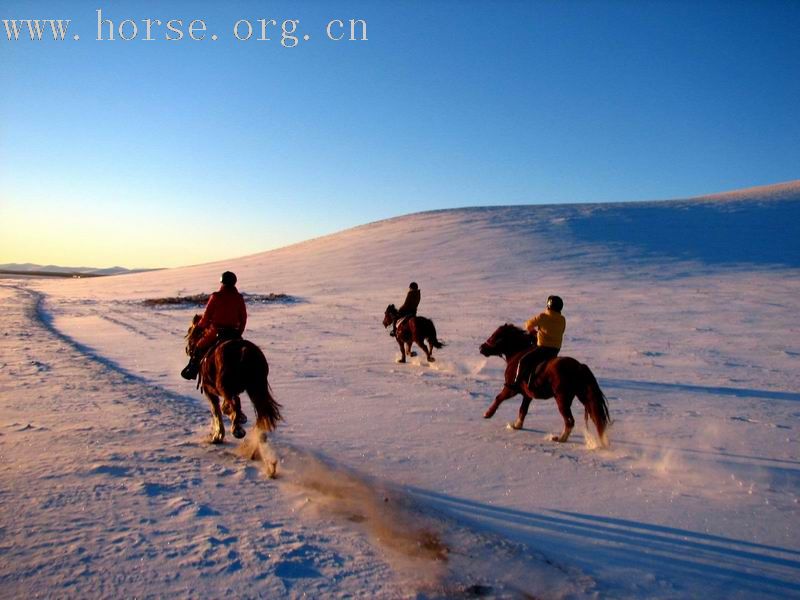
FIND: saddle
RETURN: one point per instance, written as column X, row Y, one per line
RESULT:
column 535, row 372
column 224, row 334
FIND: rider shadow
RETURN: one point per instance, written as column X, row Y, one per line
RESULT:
column 650, row 386
column 688, row 560
column 185, row 406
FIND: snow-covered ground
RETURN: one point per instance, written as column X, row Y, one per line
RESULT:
column 391, row 484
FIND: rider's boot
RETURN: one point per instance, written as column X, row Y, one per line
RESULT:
column 393, row 332
column 191, row 370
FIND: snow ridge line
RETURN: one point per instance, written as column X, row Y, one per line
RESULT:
column 184, row 405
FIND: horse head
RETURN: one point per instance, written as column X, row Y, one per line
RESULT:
column 507, row 339
column 389, row 315
column 193, row 334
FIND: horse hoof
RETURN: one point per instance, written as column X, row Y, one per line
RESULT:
column 215, row 439
column 272, row 469
column 488, row 414
column 401, row 360
column 431, row 359
column 413, row 354
column 239, row 432
column 242, row 418
column 516, row 425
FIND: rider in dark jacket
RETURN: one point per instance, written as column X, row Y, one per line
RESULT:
column 225, row 317
column 409, row 306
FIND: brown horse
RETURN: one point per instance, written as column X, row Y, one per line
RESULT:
column 413, row 329
column 562, row 377
column 228, row 369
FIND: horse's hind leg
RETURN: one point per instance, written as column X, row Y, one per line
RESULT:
column 409, row 351
column 564, row 404
column 217, row 426
column 523, row 411
column 234, row 408
column 236, row 416
column 421, row 343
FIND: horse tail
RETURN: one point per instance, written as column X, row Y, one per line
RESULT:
column 268, row 411
column 432, row 338
column 595, row 401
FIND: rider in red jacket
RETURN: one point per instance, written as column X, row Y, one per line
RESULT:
column 224, row 318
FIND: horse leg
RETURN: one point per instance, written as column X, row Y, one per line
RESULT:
column 564, row 403
column 217, row 426
column 504, row 394
column 236, row 416
column 523, row 411
column 421, row 343
column 235, row 408
column 227, row 407
column 402, row 348
column 409, row 351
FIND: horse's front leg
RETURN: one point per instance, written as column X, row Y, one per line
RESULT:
column 565, row 408
column 217, row 426
column 402, row 348
column 504, row 395
column 523, row 411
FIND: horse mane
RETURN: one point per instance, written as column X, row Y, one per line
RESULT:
column 511, row 331
column 193, row 326
column 513, row 328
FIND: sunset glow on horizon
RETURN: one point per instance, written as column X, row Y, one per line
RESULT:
column 166, row 152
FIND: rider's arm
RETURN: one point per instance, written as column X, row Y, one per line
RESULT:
column 208, row 314
column 242, row 316
column 531, row 324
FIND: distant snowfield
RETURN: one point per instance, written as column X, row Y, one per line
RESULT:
column 391, row 484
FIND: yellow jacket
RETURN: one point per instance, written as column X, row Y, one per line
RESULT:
column 550, row 327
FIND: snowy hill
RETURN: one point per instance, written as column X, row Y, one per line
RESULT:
column 55, row 270
column 685, row 310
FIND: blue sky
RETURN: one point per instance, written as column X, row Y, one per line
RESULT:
column 157, row 153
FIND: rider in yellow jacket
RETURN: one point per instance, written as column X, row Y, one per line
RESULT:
column 549, row 327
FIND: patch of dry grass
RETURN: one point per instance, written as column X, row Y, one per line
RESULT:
column 202, row 299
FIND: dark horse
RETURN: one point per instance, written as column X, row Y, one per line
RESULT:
column 228, row 369
column 413, row 329
column 562, row 377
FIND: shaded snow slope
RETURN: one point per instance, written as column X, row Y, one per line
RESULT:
column 685, row 310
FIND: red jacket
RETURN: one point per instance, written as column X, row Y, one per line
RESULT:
column 225, row 308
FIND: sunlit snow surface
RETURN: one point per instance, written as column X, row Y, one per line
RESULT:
column 391, row 484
